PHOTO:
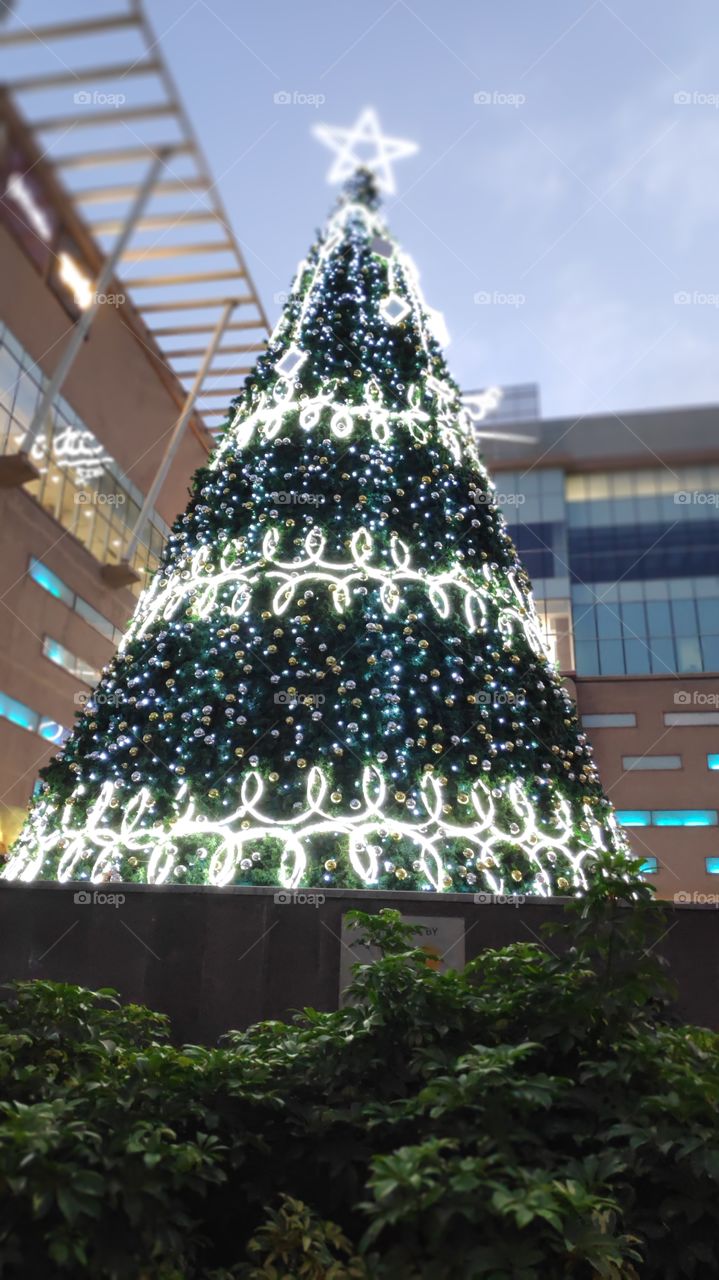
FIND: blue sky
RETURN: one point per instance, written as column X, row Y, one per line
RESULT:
column 583, row 189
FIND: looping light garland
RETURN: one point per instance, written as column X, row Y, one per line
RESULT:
column 454, row 430
column 192, row 586
column 103, row 843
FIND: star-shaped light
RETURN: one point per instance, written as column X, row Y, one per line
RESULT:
column 364, row 146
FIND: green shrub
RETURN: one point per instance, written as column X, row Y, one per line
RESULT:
column 539, row 1115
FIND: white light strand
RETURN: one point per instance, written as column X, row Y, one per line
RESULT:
column 97, row 846
column 197, row 585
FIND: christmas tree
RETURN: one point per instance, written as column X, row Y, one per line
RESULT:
column 337, row 676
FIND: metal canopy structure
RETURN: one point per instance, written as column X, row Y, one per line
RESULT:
column 98, row 97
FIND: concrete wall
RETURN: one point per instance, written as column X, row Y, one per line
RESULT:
column 214, row 959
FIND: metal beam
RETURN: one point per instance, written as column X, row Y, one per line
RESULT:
column 83, row 324
column 228, row 393
column 106, row 195
column 118, row 155
column 122, row 69
column 92, row 119
column 62, row 30
column 242, row 348
column 172, row 331
column 188, row 277
column 176, row 250
column 193, row 304
column 153, row 222
column 176, row 436
column 229, row 371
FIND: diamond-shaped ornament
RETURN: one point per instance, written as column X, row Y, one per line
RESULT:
column 383, row 248
column 291, row 361
column 393, row 308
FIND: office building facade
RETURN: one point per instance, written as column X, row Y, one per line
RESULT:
column 615, row 517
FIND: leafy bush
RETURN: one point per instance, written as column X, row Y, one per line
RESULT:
column 539, row 1115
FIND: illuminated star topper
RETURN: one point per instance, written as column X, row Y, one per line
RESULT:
column 364, row 146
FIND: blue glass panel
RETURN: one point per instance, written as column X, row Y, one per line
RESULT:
column 642, row 551
column 585, row 622
column 611, row 657
column 648, row 867
column 636, row 658
column 633, row 617
column 659, row 618
column 689, row 656
column 710, row 649
column 53, row 731
column 713, row 760
column 684, row 817
column 587, row 657
column 609, row 625
column 17, row 713
column 684, row 617
column 662, row 657
column 712, row 866
column 708, row 617
column 49, row 581
column 633, row 817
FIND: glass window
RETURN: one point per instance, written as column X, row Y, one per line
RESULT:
column 636, row 658
column 49, row 581
column 662, row 657
column 659, row 618
column 52, row 731
column 708, row 611
column 611, row 657
column 710, row 650
column 713, row 760
column 611, row 720
column 648, row 867
column 587, row 657
column 712, row 866
column 609, row 625
column 633, row 817
column 684, row 818
column 62, row 657
column 17, row 713
column 651, row 762
column 689, row 656
column 684, row 618
column 585, row 624
column 633, row 617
